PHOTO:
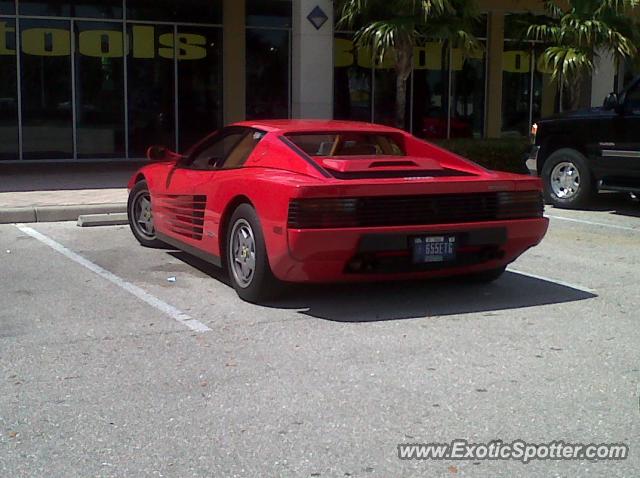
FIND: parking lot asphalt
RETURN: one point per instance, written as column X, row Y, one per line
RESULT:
column 104, row 374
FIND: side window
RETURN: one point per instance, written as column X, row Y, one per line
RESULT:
column 632, row 101
column 242, row 150
column 213, row 154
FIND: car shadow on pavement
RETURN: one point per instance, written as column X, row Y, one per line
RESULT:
column 383, row 301
column 616, row 204
column 408, row 300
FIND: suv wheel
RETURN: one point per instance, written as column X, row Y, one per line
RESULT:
column 568, row 182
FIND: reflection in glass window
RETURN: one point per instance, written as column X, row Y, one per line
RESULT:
column 467, row 101
column 352, row 81
column 44, row 8
column 151, row 88
column 516, row 90
column 46, row 89
column 99, row 91
column 8, row 91
column 75, row 8
column 97, row 8
column 199, row 83
column 431, row 90
column 7, row 7
column 269, row 13
column 195, row 11
column 267, row 73
column 384, row 107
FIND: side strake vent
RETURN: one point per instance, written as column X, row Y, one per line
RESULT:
column 185, row 214
column 413, row 210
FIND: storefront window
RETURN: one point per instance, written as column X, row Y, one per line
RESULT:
column 99, row 91
column 468, row 92
column 47, row 116
column 428, row 91
column 269, row 13
column 44, row 8
column 97, row 8
column 151, row 88
column 7, row 7
column 353, row 77
column 193, row 11
column 385, row 97
column 431, row 90
column 76, row 8
column 267, row 73
column 528, row 93
column 517, row 84
column 199, row 83
column 8, row 91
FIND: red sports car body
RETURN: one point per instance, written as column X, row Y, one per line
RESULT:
column 327, row 201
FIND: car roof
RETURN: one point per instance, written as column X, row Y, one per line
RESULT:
column 314, row 125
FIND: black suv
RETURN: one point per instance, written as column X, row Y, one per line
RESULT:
column 582, row 152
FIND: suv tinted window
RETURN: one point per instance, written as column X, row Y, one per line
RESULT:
column 632, row 101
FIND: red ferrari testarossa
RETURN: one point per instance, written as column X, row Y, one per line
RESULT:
column 326, row 201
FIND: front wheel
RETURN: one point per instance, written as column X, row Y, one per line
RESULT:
column 140, row 216
column 246, row 257
column 568, row 182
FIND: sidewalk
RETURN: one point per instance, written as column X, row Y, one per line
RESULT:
column 61, row 192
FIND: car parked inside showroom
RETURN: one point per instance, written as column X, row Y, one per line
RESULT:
column 284, row 201
column 580, row 153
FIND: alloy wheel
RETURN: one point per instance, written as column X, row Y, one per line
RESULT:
column 565, row 180
column 242, row 253
column 143, row 217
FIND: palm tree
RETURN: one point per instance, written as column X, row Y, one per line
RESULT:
column 578, row 31
column 395, row 27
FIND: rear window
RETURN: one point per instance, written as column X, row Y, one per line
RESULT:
column 347, row 144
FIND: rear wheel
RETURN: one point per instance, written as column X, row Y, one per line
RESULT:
column 140, row 216
column 567, row 179
column 246, row 257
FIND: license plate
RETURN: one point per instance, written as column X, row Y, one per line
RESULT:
column 434, row 249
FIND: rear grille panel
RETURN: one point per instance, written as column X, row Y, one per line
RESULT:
column 184, row 214
column 383, row 211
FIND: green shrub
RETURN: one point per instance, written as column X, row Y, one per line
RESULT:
column 496, row 154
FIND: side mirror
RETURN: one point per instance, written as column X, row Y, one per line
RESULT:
column 611, row 102
column 161, row 153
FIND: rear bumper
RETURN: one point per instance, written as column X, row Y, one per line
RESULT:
column 369, row 254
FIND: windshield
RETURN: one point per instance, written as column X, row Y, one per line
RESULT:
column 347, row 144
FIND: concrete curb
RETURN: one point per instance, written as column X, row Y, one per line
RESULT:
column 95, row 220
column 32, row 214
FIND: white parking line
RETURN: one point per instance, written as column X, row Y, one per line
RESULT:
column 591, row 223
column 144, row 296
column 555, row 281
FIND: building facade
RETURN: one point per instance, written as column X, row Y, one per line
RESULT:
column 88, row 80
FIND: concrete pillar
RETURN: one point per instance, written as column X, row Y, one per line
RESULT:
column 234, row 61
column 312, row 61
column 495, row 50
column 603, row 80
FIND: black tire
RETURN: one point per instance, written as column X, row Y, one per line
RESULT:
column 586, row 188
column 145, row 237
column 485, row 277
column 261, row 284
